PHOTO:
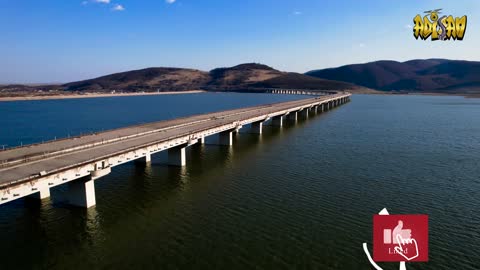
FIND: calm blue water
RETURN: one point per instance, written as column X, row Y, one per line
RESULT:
column 300, row 197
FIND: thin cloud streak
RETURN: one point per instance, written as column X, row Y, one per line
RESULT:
column 118, row 7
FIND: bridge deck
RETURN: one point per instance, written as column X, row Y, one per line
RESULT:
column 30, row 162
column 42, row 150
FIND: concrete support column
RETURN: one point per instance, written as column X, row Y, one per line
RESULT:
column 144, row 160
column 202, row 140
column 257, row 127
column 293, row 116
column 177, row 156
column 225, row 138
column 277, row 121
column 304, row 113
column 43, row 193
column 81, row 192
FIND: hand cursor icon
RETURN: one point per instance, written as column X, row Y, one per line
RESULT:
column 398, row 230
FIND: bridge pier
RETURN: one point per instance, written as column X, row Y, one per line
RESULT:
column 277, row 121
column 81, row 192
column 225, row 138
column 304, row 113
column 177, row 156
column 202, row 140
column 256, row 127
column 43, row 193
column 293, row 116
column 144, row 160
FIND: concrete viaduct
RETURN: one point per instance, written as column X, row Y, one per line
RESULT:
column 300, row 92
column 33, row 169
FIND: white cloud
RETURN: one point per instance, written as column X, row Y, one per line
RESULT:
column 170, row 1
column 118, row 7
column 361, row 45
column 408, row 26
column 115, row 7
column 297, row 13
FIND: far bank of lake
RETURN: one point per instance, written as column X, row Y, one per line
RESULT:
column 65, row 95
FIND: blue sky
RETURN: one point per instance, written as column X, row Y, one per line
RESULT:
column 68, row 40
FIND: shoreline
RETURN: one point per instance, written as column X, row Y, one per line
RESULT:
column 97, row 95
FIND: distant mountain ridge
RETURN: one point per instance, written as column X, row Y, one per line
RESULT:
column 244, row 76
column 429, row 75
column 149, row 79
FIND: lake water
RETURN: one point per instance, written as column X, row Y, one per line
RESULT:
column 297, row 197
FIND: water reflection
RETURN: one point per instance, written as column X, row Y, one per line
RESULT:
column 93, row 229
